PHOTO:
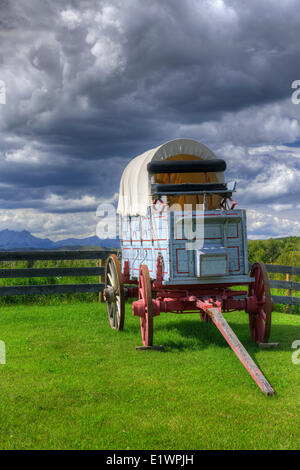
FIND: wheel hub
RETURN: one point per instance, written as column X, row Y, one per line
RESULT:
column 109, row 294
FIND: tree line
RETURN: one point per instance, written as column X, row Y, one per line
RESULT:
column 283, row 251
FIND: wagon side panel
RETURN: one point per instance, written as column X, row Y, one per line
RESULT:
column 220, row 248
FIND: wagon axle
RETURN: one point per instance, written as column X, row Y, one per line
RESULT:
column 187, row 304
column 192, row 304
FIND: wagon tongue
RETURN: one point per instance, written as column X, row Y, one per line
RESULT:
column 231, row 338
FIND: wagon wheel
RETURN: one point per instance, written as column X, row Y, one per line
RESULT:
column 114, row 293
column 260, row 321
column 145, row 294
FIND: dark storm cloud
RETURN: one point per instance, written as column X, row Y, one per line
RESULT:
column 90, row 84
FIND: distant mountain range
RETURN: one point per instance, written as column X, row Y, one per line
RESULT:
column 13, row 240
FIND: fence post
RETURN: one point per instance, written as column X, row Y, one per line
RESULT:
column 289, row 294
column 100, row 280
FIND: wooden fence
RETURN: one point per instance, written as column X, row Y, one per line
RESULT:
column 288, row 285
column 29, row 272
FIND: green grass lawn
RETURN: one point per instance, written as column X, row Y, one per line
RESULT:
column 71, row 382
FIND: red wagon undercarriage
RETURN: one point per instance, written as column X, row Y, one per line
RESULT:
column 153, row 297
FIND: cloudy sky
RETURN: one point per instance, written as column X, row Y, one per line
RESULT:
column 92, row 83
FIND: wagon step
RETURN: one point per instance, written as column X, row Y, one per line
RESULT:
column 239, row 350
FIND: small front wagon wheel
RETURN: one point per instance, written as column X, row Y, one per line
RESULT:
column 114, row 293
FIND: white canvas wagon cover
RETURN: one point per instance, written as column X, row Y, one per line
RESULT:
column 135, row 187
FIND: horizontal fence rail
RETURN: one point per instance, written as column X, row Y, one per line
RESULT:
column 50, row 272
column 100, row 255
column 48, row 289
column 51, row 289
column 288, row 284
column 278, row 269
column 54, row 255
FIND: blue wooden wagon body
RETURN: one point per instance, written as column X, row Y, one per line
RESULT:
column 219, row 256
column 219, row 250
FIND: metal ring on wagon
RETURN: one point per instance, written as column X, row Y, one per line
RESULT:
column 161, row 207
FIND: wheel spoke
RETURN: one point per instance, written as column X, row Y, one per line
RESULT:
column 110, row 279
column 114, row 275
column 260, row 288
column 115, row 304
column 262, row 314
column 112, row 313
column 142, row 288
column 118, row 308
column 116, row 316
column 260, row 329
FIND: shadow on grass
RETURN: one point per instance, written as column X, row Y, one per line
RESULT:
column 205, row 334
column 196, row 334
column 190, row 334
column 182, row 335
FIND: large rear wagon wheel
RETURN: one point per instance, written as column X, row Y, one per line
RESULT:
column 145, row 294
column 260, row 321
column 114, row 293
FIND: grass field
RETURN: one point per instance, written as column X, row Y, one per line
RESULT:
column 70, row 382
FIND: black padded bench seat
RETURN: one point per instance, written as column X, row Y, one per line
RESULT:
column 187, row 187
column 186, row 166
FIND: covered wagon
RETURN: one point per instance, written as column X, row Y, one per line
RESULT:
column 184, row 247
